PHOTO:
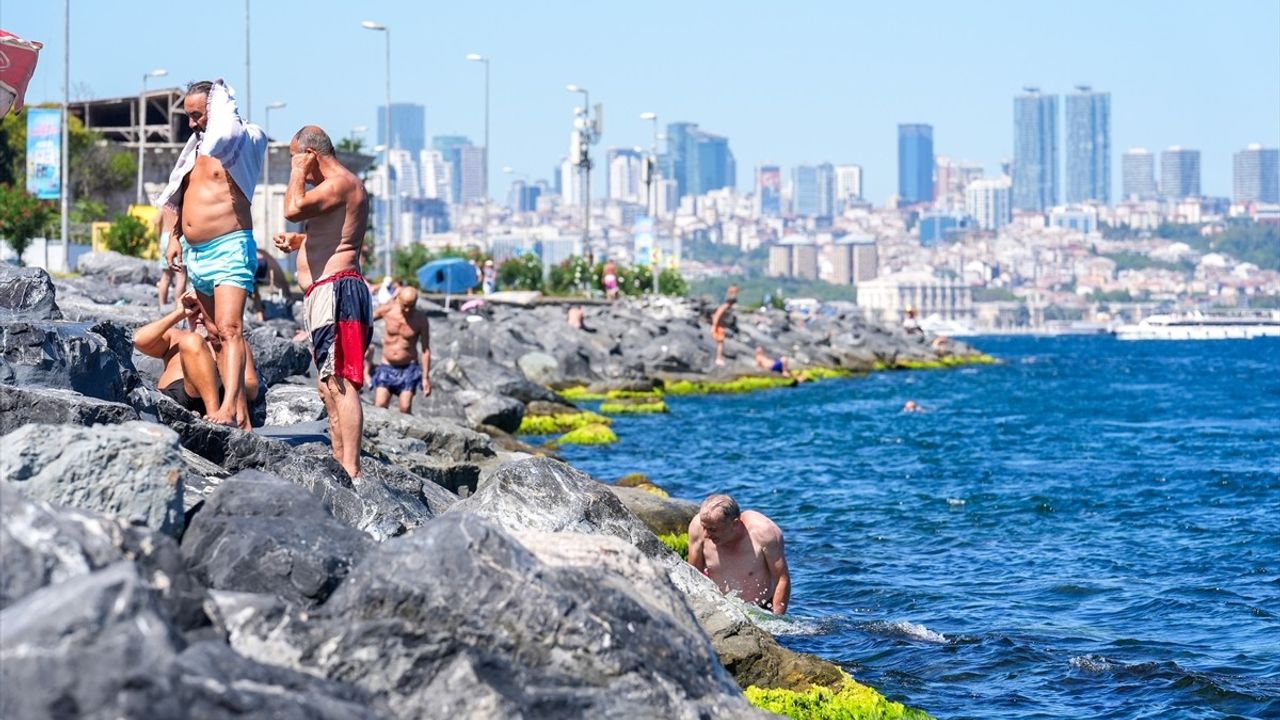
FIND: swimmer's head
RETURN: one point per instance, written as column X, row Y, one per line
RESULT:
column 719, row 515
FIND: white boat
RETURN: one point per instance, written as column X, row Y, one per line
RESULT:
column 935, row 325
column 1198, row 326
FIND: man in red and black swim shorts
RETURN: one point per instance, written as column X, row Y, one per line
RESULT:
column 339, row 310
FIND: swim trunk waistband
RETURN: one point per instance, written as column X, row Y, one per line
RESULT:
column 338, row 314
column 340, row 275
column 229, row 259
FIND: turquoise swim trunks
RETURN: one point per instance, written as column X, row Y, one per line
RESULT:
column 229, row 259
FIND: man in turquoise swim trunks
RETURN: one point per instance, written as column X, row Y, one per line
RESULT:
column 208, row 231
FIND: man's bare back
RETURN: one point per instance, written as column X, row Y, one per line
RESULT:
column 335, row 213
column 742, row 554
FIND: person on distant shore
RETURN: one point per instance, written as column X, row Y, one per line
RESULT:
column 779, row 365
column 574, row 317
column 722, row 318
column 609, row 278
column 207, row 228
column 190, row 375
column 743, row 553
column 338, row 310
column 401, row 373
column 910, row 325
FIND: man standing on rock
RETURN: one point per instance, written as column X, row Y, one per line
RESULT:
column 207, row 229
column 742, row 553
column 400, row 372
column 338, row 307
column 722, row 317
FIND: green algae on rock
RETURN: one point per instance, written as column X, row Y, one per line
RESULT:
column 594, row 434
column 633, row 394
column 579, row 392
column 559, row 423
column 635, row 407
column 853, row 701
column 822, row 373
column 744, row 384
column 678, row 542
column 946, row 361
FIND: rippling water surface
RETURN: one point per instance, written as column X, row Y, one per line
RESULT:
column 1090, row 529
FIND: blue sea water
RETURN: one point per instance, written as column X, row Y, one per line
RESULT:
column 1089, row 529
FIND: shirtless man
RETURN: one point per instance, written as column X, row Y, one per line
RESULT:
column 742, row 553
column 719, row 320
column 207, row 229
column 400, row 372
column 338, row 308
column 190, row 376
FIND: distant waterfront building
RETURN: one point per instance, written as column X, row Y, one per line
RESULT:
column 848, row 186
column 625, row 168
column 1088, row 116
column 769, row 190
column 471, row 186
column 853, row 260
column 450, row 147
column 408, row 127
column 915, row 163
column 886, row 299
column 1138, row 174
column 1256, row 175
column 794, row 257
column 1035, row 151
column 804, row 191
column 1179, row 173
column 990, row 202
column 697, row 160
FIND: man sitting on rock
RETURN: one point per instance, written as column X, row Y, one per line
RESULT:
column 190, row 374
column 742, row 553
column 400, row 372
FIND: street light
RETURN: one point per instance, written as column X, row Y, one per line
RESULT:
column 585, row 138
column 266, row 174
column 142, row 127
column 484, row 228
column 650, row 184
column 390, row 221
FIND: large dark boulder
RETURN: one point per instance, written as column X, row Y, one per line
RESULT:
column 119, row 269
column 261, row 533
column 20, row 406
column 440, row 438
column 276, row 358
column 60, row 355
column 466, row 622
column 133, row 470
column 26, row 294
column 42, row 544
column 484, row 408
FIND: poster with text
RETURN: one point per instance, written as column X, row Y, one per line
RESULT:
column 44, row 151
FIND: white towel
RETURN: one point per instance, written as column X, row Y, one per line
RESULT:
column 239, row 146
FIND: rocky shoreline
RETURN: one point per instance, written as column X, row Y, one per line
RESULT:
column 156, row 565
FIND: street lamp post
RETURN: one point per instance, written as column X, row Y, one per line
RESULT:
column 390, row 196
column 586, row 137
column 266, row 175
column 484, row 227
column 142, row 128
column 651, row 185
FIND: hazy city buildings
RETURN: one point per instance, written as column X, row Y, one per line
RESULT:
column 471, row 186
column 853, row 260
column 794, row 257
column 887, row 298
column 950, row 178
column 625, row 167
column 990, row 202
column 698, row 161
column 1088, row 117
column 1138, row 174
column 804, row 191
column 826, row 190
column 1179, row 173
column 408, row 127
column 848, row 186
column 1256, row 175
column 450, row 147
column 915, row 163
column 769, row 190
column 1035, row 150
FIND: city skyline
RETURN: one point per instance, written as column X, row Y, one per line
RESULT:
column 847, row 113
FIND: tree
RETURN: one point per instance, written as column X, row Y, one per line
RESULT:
column 573, row 276
column 128, row 236
column 670, row 282
column 406, row 260
column 350, row 144
column 521, row 273
column 22, row 216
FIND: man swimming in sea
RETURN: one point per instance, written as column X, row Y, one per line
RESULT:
column 401, row 373
column 742, row 552
column 338, row 307
column 207, row 229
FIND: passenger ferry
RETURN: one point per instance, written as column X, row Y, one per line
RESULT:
column 1198, row 326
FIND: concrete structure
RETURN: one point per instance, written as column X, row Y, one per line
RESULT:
column 853, row 260
column 1179, row 173
column 1035, row 151
column 1256, row 175
column 915, row 163
column 990, row 202
column 1088, row 116
column 1138, row 175
column 794, row 258
column 886, row 299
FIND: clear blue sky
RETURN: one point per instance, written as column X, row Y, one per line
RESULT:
column 790, row 82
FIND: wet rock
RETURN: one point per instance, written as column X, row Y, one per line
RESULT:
column 26, row 294
column 500, row 411
column 292, row 404
column 19, row 406
column 60, row 355
column 439, row 437
column 118, row 269
column 133, row 470
column 261, row 533
column 662, row 515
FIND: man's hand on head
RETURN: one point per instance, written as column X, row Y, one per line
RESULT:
column 304, row 162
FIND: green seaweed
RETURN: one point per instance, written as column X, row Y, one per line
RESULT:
column 943, row 362
column 559, row 423
column 594, row 434
column 633, row 394
column 623, row 408
column 678, row 542
column 579, row 392
column 744, row 384
column 853, row 701
column 822, row 373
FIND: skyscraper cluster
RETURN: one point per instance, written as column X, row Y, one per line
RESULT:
column 1035, row 148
